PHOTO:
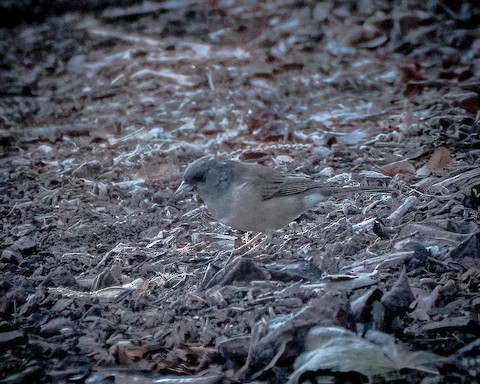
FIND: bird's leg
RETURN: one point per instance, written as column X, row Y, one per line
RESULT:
column 259, row 246
column 246, row 247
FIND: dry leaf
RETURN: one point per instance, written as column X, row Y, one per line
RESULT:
column 340, row 350
column 403, row 167
column 126, row 352
column 399, row 297
column 424, row 303
column 439, row 160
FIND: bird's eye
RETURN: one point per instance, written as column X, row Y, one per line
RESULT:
column 200, row 178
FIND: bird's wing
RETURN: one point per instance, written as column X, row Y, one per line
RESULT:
column 278, row 185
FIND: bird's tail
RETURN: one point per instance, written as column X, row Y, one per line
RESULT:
column 348, row 191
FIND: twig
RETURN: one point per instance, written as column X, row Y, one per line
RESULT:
column 395, row 217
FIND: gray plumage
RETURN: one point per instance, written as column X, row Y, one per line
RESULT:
column 252, row 197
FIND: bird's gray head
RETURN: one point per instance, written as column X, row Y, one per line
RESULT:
column 208, row 174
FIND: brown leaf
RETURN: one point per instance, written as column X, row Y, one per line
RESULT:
column 125, row 352
column 440, row 159
column 186, row 359
column 470, row 104
column 403, row 167
column 470, row 280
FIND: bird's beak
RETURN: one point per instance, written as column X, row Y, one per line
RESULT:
column 183, row 187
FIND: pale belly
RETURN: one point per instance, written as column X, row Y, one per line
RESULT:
column 249, row 213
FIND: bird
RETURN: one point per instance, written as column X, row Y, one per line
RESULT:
column 254, row 197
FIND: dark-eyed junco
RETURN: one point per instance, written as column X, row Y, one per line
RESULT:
column 252, row 197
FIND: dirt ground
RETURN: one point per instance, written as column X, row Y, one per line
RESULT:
column 106, row 276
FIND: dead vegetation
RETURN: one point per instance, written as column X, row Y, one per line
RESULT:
column 107, row 276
